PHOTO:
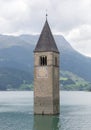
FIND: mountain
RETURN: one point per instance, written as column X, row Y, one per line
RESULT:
column 14, row 79
column 70, row 59
column 70, row 81
column 16, row 54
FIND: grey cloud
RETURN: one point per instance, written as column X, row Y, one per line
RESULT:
column 64, row 16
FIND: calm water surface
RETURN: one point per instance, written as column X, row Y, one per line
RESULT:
column 16, row 112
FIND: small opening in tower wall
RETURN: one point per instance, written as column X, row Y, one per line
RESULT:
column 56, row 61
column 43, row 60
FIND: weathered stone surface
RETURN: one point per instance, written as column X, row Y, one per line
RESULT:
column 46, row 88
column 46, row 76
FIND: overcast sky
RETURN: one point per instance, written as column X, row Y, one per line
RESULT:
column 70, row 18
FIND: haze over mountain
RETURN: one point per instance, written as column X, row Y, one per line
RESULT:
column 16, row 54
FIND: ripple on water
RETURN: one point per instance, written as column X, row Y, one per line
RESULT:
column 16, row 112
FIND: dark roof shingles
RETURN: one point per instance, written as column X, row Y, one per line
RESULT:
column 46, row 41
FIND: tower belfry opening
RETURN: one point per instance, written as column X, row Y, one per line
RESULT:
column 43, row 60
column 46, row 73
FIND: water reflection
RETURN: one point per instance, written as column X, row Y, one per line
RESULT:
column 46, row 122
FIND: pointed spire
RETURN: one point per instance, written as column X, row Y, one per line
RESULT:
column 46, row 42
column 46, row 16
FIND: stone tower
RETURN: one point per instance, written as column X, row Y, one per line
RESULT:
column 46, row 74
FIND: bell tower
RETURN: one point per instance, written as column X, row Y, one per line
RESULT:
column 46, row 74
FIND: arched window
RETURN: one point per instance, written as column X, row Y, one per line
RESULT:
column 43, row 60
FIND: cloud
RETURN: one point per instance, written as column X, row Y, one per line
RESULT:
column 68, row 17
column 80, row 39
column 64, row 15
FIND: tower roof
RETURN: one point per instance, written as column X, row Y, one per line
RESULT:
column 46, row 41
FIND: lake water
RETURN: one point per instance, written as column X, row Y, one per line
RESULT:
column 16, row 112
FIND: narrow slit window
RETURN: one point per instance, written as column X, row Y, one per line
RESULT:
column 41, row 61
column 45, row 60
column 56, row 61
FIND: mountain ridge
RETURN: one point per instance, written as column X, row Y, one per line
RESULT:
column 16, row 52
